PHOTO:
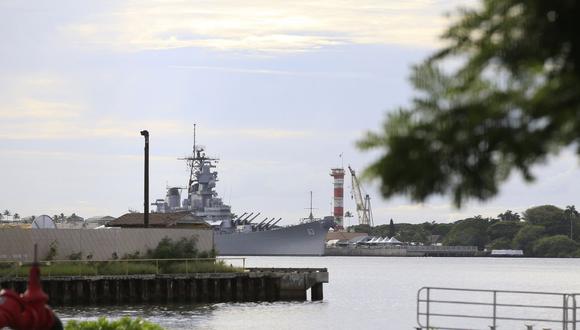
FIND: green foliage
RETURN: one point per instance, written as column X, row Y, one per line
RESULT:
column 551, row 217
column 121, row 267
column 526, row 237
column 392, row 229
column 201, row 266
column 504, row 229
column 52, row 251
column 411, row 233
column 555, row 246
column 205, row 254
column 512, row 101
column 75, row 256
column 168, row 249
column 471, row 231
column 507, row 232
column 360, row 228
column 502, row 243
column 124, row 323
column 441, row 229
column 509, row 216
column 134, row 255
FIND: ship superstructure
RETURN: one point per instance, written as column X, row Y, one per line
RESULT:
column 202, row 200
column 239, row 235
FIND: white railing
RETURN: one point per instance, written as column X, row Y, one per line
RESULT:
column 470, row 309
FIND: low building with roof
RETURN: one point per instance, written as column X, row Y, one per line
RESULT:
column 97, row 221
column 74, row 218
column 160, row 220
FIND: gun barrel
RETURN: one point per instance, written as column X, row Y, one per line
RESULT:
column 254, row 217
column 246, row 218
column 275, row 222
column 237, row 220
column 258, row 225
column 267, row 223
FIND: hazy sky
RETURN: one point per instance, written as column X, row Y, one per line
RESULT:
column 278, row 91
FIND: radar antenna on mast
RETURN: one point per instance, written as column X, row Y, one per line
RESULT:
column 195, row 161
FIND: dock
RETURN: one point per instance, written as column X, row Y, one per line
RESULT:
column 251, row 285
column 404, row 251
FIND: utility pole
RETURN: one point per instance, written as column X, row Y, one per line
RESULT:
column 145, row 134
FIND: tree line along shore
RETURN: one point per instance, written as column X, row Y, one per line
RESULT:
column 541, row 231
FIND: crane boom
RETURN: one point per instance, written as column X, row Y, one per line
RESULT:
column 363, row 206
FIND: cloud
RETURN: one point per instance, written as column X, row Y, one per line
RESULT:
column 268, row 72
column 39, row 109
column 53, row 120
column 266, row 134
column 66, row 155
column 82, row 129
column 264, row 26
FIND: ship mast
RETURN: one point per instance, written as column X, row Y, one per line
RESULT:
column 197, row 160
column 311, row 215
column 191, row 162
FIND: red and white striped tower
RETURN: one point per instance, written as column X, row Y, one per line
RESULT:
column 338, row 175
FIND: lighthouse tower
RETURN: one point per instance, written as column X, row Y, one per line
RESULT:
column 338, row 175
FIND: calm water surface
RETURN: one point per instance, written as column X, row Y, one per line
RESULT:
column 363, row 293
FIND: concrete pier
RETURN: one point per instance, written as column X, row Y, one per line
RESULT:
column 255, row 284
column 404, row 251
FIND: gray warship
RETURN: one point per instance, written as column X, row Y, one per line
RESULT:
column 240, row 235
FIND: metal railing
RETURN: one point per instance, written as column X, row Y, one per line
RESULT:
column 470, row 309
column 12, row 269
column 287, row 270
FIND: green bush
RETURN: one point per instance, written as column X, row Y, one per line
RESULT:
column 202, row 266
column 132, row 268
column 169, row 249
column 75, row 256
column 472, row 231
column 124, row 323
column 527, row 237
column 500, row 244
column 134, row 255
column 555, row 246
column 52, row 251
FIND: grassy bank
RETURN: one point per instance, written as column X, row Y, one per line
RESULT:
column 122, row 267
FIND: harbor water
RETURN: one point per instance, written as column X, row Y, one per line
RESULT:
column 363, row 293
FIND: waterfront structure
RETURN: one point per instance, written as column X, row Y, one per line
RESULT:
column 160, row 220
column 253, row 284
column 97, row 221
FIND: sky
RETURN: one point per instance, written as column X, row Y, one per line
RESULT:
column 278, row 91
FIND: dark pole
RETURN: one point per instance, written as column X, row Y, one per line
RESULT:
column 145, row 133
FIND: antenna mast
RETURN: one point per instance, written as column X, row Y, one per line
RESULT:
column 191, row 162
column 311, row 216
column 194, row 139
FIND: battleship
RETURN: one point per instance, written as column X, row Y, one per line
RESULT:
column 240, row 235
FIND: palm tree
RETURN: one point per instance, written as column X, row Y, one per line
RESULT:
column 7, row 213
column 509, row 216
column 571, row 214
column 1, row 216
column 16, row 216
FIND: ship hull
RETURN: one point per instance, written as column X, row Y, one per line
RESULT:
column 305, row 239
